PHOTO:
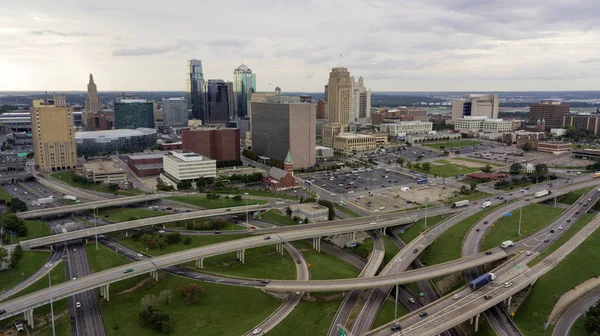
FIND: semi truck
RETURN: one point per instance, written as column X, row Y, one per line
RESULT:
column 507, row 243
column 541, row 193
column 460, row 204
column 70, row 197
column 486, row 204
column 482, row 281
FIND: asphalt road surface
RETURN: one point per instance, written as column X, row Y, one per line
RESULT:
column 566, row 321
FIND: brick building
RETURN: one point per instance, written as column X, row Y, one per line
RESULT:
column 554, row 147
column 145, row 164
column 552, row 113
column 221, row 144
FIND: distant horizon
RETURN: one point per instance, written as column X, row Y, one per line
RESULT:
column 285, row 92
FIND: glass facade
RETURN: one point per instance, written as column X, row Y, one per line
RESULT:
column 175, row 112
column 132, row 115
column 218, row 101
column 195, row 86
column 244, row 84
column 116, row 141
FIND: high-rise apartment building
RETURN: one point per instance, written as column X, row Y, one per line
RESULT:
column 339, row 94
column 552, row 113
column 475, row 105
column 195, row 86
column 279, row 127
column 221, row 144
column 134, row 113
column 218, row 101
column 174, row 112
column 53, row 129
column 244, row 84
column 92, row 102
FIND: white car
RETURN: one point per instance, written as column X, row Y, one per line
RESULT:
column 351, row 192
column 161, row 231
column 48, row 265
column 78, row 304
column 332, row 194
column 560, row 227
column 140, row 255
column 373, row 223
column 376, row 210
column 456, row 296
column 74, row 278
column 507, row 284
column 529, row 253
column 411, row 300
column 256, row 331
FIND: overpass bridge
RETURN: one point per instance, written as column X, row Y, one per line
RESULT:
column 41, row 213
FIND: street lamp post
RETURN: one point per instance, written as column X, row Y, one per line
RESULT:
column 396, row 305
column 520, row 219
column 51, row 306
column 426, row 203
column 95, row 219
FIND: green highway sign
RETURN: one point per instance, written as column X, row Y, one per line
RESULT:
column 517, row 267
column 342, row 331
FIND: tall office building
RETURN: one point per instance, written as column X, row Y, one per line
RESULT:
column 53, row 129
column 92, row 102
column 221, row 144
column 218, row 101
column 552, row 113
column 339, row 92
column 134, row 113
column 174, row 112
column 360, row 101
column 195, row 85
column 279, row 127
column 244, row 84
column 475, row 105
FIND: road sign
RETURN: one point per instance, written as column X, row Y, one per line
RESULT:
column 402, row 231
column 518, row 267
column 421, row 294
column 512, row 314
column 342, row 332
column 309, row 265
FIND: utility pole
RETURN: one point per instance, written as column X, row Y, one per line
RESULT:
column 95, row 219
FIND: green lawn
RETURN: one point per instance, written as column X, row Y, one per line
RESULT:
column 574, row 195
column 253, row 192
column 479, row 161
column 30, row 262
column 471, row 197
column 445, row 168
column 275, row 217
column 4, row 195
column 448, row 246
column 386, row 313
column 414, row 230
column 308, row 318
column 576, row 268
column 58, row 276
column 535, row 217
column 62, row 326
column 576, row 227
column 103, row 258
column 67, row 177
column 259, row 263
column 35, row 229
column 325, row 266
column 126, row 214
column 453, row 144
column 197, row 241
column 222, row 310
column 346, row 210
column 202, row 201
column 485, row 329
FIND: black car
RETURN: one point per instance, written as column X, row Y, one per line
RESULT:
column 396, row 327
column 477, row 230
column 4, row 311
column 416, row 250
column 552, row 231
column 298, row 261
column 488, row 252
column 217, row 232
column 267, row 237
column 546, row 240
column 422, row 314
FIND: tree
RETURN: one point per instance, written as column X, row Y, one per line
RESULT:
column 591, row 321
column 420, row 156
column 329, row 205
column 288, row 212
column 426, row 167
column 400, row 161
column 457, row 152
column 201, row 184
column 184, row 185
column 473, row 186
column 113, row 187
column 3, row 255
column 165, row 296
column 487, row 169
column 156, row 319
column 16, row 205
column 237, row 198
column 191, row 292
column 515, row 168
column 187, row 240
column 463, row 189
column 526, row 147
column 541, row 169
column 409, row 165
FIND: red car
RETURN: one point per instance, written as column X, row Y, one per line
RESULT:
column 527, row 200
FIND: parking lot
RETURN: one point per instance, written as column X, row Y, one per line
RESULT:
column 391, row 153
column 353, row 181
column 486, row 146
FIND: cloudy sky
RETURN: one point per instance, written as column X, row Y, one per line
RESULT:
column 396, row 45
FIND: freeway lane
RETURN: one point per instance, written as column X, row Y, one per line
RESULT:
column 145, row 266
column 566, row 321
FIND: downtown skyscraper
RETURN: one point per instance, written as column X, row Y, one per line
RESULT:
column 339, row 94
column 244, row 84
column 195, row 88
column 218, row 101
column 93, row 104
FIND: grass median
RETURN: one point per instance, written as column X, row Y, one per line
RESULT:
column 118, row 215
column 30, row 262
column 308, row 318
column 574, row 269
column 221, row 202
column 386, row 313
column 324, row 266
column 196, row 241
column 103, row 258
column 70, row 178
column 275, row 217
column 35, row 229
column 221, row 310
column 414, row 230
column 536, row 217
column 574, row 195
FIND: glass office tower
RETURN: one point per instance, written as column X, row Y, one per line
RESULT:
column 244, row 83
column 195, row 86
column 218, row 101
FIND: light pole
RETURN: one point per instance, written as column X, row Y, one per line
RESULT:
column 51, row 306
column 396, row 305
column 520, row 218
column 426, row 203
column 95, row 219
column 246, row 194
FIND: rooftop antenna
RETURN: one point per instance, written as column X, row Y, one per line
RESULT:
column 340, row 64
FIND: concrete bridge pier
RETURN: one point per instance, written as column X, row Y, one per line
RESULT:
column 508, row 301
column 279, row 248
column 28, row 317
column 317, row 243
column 477, row 322
column 200, row 263
column 241, row 255
column 154, row 275
column 104, row 292
column 353, row 236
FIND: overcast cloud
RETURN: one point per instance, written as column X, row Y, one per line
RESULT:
column 396, row 45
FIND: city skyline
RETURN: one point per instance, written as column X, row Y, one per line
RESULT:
column 430, row 45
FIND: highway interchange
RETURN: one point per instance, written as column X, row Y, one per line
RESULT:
column 283, row 235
